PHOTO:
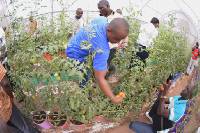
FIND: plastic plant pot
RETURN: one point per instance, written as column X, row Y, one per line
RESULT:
column 56, row 119
column 40, row 119
column 48, row 57
column 65, row 126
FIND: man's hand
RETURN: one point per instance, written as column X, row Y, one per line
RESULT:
column 117, row 99
column 123, row 43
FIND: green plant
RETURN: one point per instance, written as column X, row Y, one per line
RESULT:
column 53, row 85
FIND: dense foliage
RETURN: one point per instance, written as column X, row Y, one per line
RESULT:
column 49, row 81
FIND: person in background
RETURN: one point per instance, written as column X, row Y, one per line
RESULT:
column 78, row 21
column 194, row 59
column 32, row 25
column 165, row 112
column 83, row 45
column 106, row 11
column 148, row 32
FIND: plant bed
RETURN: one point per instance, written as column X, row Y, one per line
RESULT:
column 61, row 78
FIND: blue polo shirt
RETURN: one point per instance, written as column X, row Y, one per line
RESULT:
column 91, row 40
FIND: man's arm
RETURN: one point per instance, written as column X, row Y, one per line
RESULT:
column 104, row 86
column 162, row 109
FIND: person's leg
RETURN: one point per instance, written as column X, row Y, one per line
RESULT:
column 86, row 78
column 140, row 127
column 81, row 69
column 154, row 108
column 160, row 123
column 133, row 57
column 143, row 55
column 111, row 56
column 111, row 67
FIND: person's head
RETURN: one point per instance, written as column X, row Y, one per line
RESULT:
column 119, row 11
column 117, row 30
column 155, row 22
column 104, row 8
column 197, row 45
column 169, row 79
column 186, row 93
column 31, row 18
column 79, row 13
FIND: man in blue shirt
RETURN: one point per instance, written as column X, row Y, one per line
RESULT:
column 93, row 40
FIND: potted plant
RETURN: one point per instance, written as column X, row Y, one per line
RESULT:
column 57, row 119
column 40, row 119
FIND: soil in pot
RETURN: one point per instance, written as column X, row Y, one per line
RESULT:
column 39, row 116
column 57, row 119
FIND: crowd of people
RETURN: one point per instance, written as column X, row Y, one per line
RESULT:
column 110, row 32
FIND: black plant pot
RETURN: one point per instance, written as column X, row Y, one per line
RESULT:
column 57, row 119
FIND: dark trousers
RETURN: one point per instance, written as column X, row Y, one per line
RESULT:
column 86, row 78
column 111, row 67
column 139, row 57
column 159, row 122
column 84, row 70
column 140, row 127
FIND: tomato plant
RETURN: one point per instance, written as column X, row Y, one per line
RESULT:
column 50, row 81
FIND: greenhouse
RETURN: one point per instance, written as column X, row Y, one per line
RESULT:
column 99, row 66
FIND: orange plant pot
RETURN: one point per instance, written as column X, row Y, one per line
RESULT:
column 48, row 57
